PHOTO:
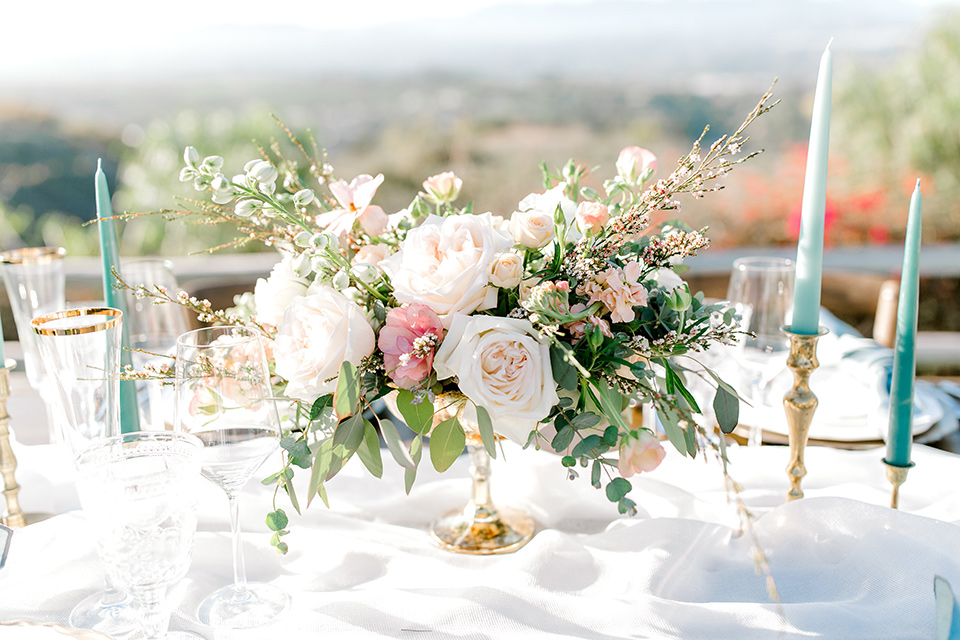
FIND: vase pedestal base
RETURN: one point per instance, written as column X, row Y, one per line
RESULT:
column 483, row 533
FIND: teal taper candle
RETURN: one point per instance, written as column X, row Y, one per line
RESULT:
column 806, row 289
column 900, row 436
column 129, row 410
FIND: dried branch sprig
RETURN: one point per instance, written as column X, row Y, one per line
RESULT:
column 694, row 174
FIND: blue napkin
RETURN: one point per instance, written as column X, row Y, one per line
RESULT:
column 948, row 612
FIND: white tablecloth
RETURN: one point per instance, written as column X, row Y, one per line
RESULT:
column 845, row 565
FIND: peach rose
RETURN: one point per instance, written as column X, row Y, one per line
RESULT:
column 591, row 217
column 640, row 451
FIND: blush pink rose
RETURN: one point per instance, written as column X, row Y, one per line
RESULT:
column 640, row 452
column 591, row 217
column 408, row 341
column 443, row 187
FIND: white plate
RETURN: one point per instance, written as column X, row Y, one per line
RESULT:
column 849, row 410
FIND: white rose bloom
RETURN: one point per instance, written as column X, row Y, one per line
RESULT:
column 318, row 333
column 445, row 264
column 507, row 270
column 547, row 203
column 532, row 228
column 503, row 367
column 273, row 295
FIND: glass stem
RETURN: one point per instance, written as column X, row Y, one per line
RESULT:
column 154, row 617
column 111, row 595
column 480, row 503
column 239, row 571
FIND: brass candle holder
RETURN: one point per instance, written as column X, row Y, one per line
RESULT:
column 897, row 475
column 800, row 403
column 12, row 513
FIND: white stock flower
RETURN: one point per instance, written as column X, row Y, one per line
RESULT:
column 445, row 264
column 502, row 366
column 261, row 171
column 247, row 207
column 318, row 333
column 303, row 197
column 273, row 295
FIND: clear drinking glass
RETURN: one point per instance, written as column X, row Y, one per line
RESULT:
column 36, row 283
column 139, row 493
column 761, row 288
column 153, row 330
column 224, row 397
column 83, row 347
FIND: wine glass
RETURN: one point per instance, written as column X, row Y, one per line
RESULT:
column 761, row 288
column 224, row 397
column 36, row 284
column 83, row 347
column 139, row 493
column 153, row 329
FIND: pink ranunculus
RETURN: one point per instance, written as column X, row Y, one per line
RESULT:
column 443, row 187
column 636, row 164
column 641, row 451
column 354, row 199
column 591, row 217
column 408, row 341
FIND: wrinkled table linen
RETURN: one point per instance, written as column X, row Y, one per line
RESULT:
column 844, row 564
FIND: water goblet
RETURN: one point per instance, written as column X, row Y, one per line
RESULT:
column 224, row 397
column 153, row 329
column 35, row 281
column 83, row 347
column 139, row 493
column 761, row 288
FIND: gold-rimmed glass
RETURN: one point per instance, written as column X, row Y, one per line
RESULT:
column 83, row 347
column 36, row 282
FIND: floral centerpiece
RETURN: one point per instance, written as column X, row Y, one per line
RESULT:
column 538, row 327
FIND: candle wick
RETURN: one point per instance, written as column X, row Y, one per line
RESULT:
column 829, row 43
column 918, row 183
column 99, row 168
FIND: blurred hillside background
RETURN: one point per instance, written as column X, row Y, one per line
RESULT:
column 486, row 88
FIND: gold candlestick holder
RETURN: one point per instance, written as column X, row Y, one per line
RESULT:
column 800, row 403
column 897, row 475
column 12, row 513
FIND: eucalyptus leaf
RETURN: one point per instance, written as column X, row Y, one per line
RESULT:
column 319, row 405
column 446, row 444
column 277, row 520
column 348, row 436
column 321, row 467
column 487, row 436
column 346, row 400
column 589, row 444
column 670, row 420
column 369, row 451
column 617, row 489
column 409, row 475
column 395, row 445
column 726, row 406
column 564, row 373
column 419, row 417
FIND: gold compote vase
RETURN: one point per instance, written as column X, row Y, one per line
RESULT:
column 480, row 527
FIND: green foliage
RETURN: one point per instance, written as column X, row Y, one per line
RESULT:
column 446, row 443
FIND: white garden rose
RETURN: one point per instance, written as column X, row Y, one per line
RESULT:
column 273, row 295
column 445, row 264
column 502, row 366
column 528, row 224
column 318, row 333
column 507, row 270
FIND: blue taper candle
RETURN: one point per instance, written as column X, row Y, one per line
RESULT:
column 900, row 436
column 806, row 289
column 129, row 410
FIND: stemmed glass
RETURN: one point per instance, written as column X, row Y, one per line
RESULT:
column 224, row 397
column 36, row 284
column 761, row 288
column 139, row 493
column 83, row 347
column 153, row 330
